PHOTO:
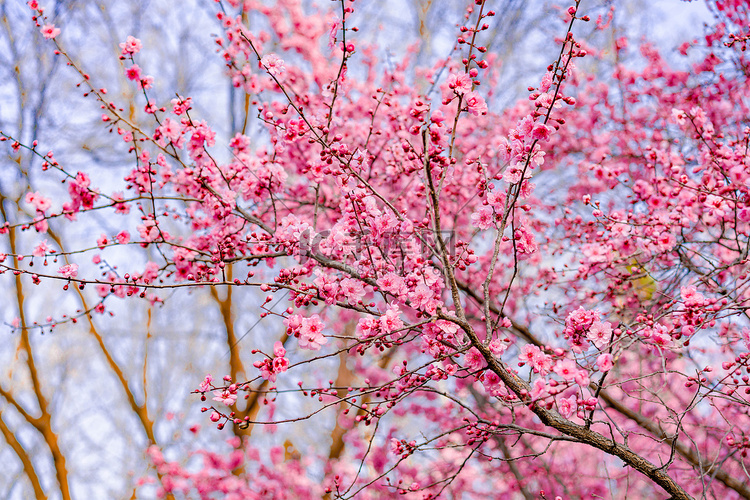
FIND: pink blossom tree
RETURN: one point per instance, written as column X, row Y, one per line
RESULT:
column 545, row 300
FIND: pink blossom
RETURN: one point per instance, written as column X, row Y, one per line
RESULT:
column 131, row 46
column 120, row 208
column 491, row 382
column 311, row 333
column 81, row 194
column 496, row 199
column 42, row 249
column 513, row 173
column 421, row 297
column 39, row 202
column 566, row 369
column 151, row 272
column 660, row 336
column 665, row 241
column 205, row 386
column 691, row 297
column 522, row 130
column 525, row 244
column 582, row 379
column 280, row 364
column 148, row 231
column 567, row 406
column 392, row 283
column 541, row 363
column 577, row 325
column 293, row 323
column 498, row 347
column 483, row 218
column 597, row 253
column 181, row 105
column 396, row 447
column 600, row 333
column 539, row 389
column 461, row 83
column 147, row 82
column 679, row 116
column 332, row 34
column 49, row 31
column 540, row 132
column 368, row 327
column 476, row 104
column 605, row 362
column 278, row 350
column 447, row 329
column 40, row 224
column 473, row 360
column 270, row 367
column 546, row 82
column 545, row 100
column 123, row 237
column 353, row 290
column 528, row 353
column 390, row 321
column 225, row 397
column 133, row 72
column 266, row 369
column 537, row 156
column 273, row 64
column 172, row 131
column 69, row 270
column 437, row 118
column 327, row 285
